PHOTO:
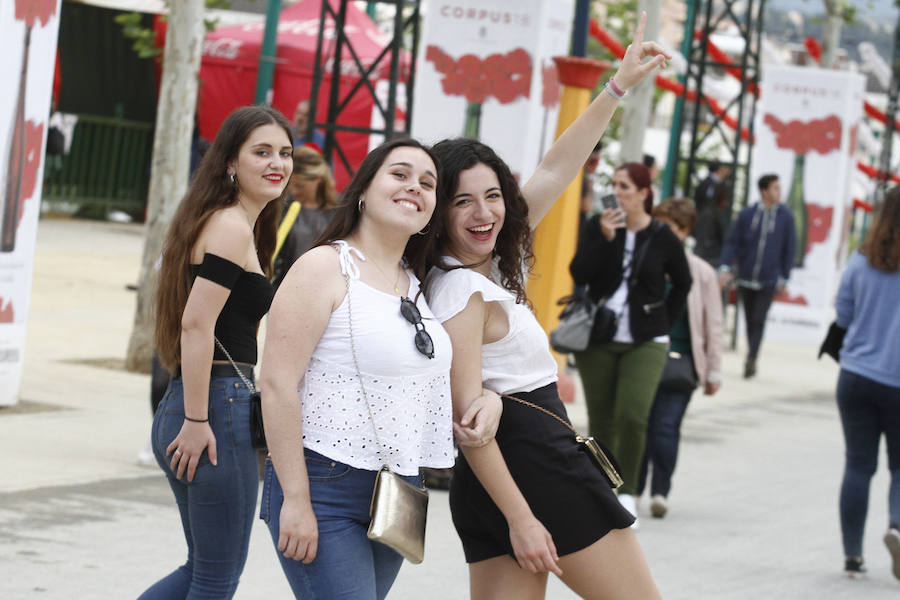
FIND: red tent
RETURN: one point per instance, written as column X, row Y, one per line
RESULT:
column 231, row 57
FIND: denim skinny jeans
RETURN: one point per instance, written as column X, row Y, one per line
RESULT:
column 348, row 565
column 868, row 410
column 663, row 439
column 217, row 506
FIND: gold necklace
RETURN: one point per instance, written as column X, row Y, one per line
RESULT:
column 388, row 279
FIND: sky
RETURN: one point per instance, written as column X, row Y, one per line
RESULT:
column 875, row 8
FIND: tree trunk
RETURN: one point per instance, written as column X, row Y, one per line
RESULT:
column 171, row 161
column 640, row 97
column 831, row 32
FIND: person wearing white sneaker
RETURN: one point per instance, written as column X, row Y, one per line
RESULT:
column 868, row 388
column 629, row 503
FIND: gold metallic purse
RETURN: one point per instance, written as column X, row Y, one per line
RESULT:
column 398, row 509
column 397, row 515
column 604, row 461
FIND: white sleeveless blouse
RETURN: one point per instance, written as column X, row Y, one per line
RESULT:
column 408, row 392
column 518, row 362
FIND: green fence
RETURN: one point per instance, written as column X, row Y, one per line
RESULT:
column 107, row 167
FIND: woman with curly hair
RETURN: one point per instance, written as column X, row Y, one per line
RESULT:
column 868, row 388
column 213, row 290
column 530, row 501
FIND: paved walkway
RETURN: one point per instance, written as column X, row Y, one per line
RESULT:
column 753, row 509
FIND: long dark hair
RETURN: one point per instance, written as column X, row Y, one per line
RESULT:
column 513, row 247
column 882, row 245
column 640, row 177
column 346, row 215
column 210, row 190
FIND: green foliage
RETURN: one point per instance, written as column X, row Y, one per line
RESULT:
column 144, row 37
column 133, row 29
column 620, row 19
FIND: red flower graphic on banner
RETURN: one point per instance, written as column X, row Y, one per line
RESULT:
column 819, row 223
column 800, row 300
column 821, row 135
column 6, row 311
column 32, row 11
column 34, row 136
column 503, row 76
column 550, row 80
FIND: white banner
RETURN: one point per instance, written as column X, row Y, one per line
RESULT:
column 805, row 133
column 28, row 34
column 485, row 71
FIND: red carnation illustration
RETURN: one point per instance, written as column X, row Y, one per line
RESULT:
column 34, row 137
column 32, row 11
column 819, row 223
column 821, row 135
column 799, row 300
column 505, row 77
column 550, row 81
column 7, row 314
column 818, row 135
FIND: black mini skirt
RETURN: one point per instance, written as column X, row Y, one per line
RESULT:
column 562, row 484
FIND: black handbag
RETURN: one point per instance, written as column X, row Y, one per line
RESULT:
column 833, row 341
column 257, row 431
column 678, row 374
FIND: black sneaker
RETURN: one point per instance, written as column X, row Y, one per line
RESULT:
column 853, row 567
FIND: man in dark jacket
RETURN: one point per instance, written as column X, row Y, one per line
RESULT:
column 713, row 202
column 760, row 245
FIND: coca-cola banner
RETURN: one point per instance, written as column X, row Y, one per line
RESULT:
column 28, row 32
column 485, row 71
column 805, row 133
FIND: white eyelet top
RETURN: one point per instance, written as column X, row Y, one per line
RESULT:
column 409, row 392
column 518, row 362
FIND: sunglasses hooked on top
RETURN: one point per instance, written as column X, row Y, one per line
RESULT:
column 410, row 312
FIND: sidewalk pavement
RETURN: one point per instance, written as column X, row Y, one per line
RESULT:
column 753, row 509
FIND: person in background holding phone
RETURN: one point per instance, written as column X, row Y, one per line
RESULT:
column 626, row 257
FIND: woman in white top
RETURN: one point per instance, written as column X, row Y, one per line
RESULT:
column 335, row 328
column 531, row 501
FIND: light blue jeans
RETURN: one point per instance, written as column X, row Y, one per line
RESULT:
column 217, row 506
column 348, row 565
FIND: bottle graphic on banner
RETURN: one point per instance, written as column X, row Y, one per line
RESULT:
column 797, row 203
column 15, row 169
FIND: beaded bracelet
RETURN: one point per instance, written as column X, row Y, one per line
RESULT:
column 187, row 418
column 609, row 90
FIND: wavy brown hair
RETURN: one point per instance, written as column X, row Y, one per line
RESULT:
column 310, row 164
column 882, row 245
column 514, row 242
column 211, row 190
column 346, row 215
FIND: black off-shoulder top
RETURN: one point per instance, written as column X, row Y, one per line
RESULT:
column 250, row 299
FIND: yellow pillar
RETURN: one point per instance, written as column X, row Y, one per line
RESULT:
column 556, row 236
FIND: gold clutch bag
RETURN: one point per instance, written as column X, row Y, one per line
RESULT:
column 397, row 515
column 604, row 461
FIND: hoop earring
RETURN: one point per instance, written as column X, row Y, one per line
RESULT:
column 360, row 205
column 231, row 177
column 424, row 231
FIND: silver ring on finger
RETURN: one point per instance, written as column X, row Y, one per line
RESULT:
column 177, row 452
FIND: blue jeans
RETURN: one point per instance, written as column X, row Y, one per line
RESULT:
column 663, row 437
column 348, row 565
column 217, row 506
column 868, row 410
